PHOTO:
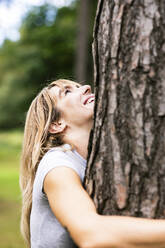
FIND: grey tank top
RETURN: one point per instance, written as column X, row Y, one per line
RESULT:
column 45, row 230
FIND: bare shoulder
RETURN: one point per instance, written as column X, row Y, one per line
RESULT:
column 60, row 177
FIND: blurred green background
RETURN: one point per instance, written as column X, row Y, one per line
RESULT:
column 10, row 198
column 54, row 43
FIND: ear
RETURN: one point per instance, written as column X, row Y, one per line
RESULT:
column 57, row 127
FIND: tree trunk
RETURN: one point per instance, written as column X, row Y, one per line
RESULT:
column 126, row 162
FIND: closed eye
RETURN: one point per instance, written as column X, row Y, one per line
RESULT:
column 67, row 91
column 69, row 88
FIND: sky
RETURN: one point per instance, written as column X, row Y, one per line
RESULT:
column 11, row 15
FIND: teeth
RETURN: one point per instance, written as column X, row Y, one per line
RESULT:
column 90, row 100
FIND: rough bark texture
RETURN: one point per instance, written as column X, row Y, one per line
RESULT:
column 126, row 162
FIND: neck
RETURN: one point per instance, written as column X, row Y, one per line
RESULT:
column 79, row 138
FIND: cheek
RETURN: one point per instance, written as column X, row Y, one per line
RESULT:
column 73, row 103
column 70, row 106
column 70, row 109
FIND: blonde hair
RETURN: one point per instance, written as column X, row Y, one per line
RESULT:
column 37, row 141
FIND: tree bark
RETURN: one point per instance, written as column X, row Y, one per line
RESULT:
column 126, row 162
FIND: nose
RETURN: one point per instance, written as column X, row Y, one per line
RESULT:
column 86, row 89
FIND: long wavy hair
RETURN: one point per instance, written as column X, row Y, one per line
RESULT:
column 37, row 141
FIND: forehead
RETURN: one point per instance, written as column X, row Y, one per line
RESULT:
column 55, row 90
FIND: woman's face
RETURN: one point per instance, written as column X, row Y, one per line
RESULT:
column 76, row 104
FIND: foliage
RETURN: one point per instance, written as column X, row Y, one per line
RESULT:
column 44, row 52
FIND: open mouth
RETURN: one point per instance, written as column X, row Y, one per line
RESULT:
column 89, row 100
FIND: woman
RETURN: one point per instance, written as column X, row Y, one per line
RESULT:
column 57, row 212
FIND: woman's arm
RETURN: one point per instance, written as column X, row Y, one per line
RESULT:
column 75, row 211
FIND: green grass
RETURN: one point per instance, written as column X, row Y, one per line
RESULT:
column 10, row 198
column 9, row 184
column 10, row 146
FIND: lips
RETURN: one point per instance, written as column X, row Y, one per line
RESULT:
column 87, row 98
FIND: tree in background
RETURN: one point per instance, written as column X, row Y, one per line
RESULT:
column 84, row 13
column 83, row 63
column 45, row 51
column 126, row 163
